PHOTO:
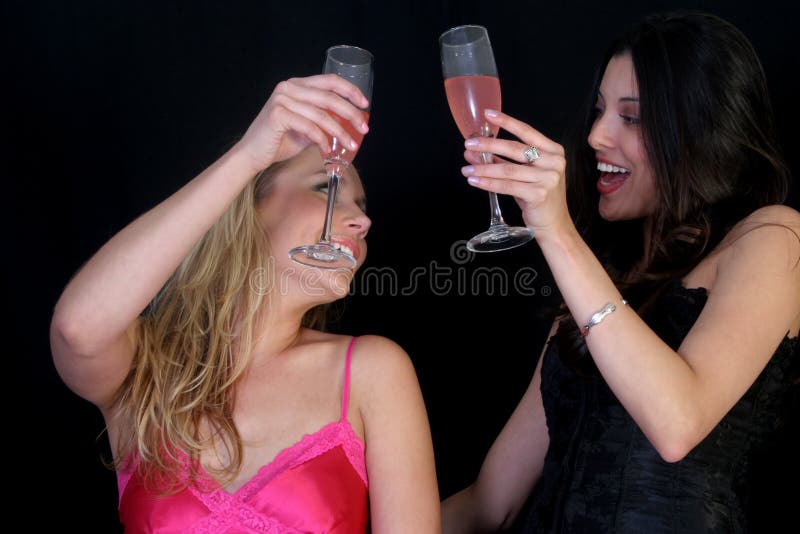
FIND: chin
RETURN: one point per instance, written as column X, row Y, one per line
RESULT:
column 613, row 212
column 330, row 285
column 608, row 213
column 340, row 282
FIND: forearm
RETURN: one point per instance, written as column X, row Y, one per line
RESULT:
column 459, row 513
column 473, row 510
column 118, row 282
column 655, row 385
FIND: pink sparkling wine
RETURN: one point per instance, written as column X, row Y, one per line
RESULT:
column 468, row 96
column 338, row 151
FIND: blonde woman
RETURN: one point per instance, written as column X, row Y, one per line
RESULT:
column 195, row 335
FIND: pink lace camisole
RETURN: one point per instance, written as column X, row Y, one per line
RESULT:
column 319, row 484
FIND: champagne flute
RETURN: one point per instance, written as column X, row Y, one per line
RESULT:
column 472, row 85
column 355, row 65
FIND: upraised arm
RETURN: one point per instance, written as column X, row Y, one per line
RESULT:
column 94, row 328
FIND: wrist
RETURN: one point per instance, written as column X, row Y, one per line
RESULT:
column 558, row 237
column 238, row 165
column 245, row 159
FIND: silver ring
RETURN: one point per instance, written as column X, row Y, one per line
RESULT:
column 531, row 154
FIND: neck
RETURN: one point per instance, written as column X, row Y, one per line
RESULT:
column 278, row 331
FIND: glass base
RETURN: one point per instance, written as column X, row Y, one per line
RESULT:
column 322, row 256
column 500, row 237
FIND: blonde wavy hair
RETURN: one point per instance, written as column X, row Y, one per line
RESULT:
column 194, row 342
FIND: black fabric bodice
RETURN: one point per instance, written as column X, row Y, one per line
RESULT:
column 601, row 474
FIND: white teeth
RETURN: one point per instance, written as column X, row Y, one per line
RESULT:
column 607, row 167
column 343, row 248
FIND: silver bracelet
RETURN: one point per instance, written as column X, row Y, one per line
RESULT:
column 599, row 316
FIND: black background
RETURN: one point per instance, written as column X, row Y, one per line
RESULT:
column 112, row 106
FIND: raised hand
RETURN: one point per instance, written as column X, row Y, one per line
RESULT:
column 294, row 116
column 538, row 185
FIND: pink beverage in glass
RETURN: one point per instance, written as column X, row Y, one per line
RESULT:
column 468, row 96
column 338, row 153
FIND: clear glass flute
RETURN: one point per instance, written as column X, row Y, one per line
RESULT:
column 472, row 85
column 355, row 65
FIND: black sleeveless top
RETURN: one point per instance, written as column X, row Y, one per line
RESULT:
column 601, row 474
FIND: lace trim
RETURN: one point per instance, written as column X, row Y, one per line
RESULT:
column 231, row 512
column 232, row 509
column 309, row 447
column 340, row 433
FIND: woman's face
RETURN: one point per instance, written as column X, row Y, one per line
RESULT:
column 626, row 183
column 293, row 210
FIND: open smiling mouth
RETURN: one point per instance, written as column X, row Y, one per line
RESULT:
column 611, row 177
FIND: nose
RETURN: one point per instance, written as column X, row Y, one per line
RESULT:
column 601, row 136
column 355, row 220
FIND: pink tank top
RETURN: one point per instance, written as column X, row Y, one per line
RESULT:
column 319, row 484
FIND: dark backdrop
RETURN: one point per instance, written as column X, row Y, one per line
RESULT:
column 112, row 106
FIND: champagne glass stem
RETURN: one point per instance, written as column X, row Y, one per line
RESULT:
column 497, row 217
column 355, row 65
column 494, row 203
column 333, row 188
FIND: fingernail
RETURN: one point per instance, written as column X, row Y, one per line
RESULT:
column 491, row 113
column 466, row 171
column 364, row 127
column 471, row 142
column 474, row 180
column 353, row 144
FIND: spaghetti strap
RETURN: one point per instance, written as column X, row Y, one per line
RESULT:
column 346, row 387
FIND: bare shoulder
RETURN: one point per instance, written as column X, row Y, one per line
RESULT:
column 380, row 364
column 772, row 230
column 775, row 216
column 761, row 257
column 381, row 345
column 759, row 266
column 380, row 355
column 389, row 405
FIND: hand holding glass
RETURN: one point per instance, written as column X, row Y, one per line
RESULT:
column 472, row 86
column 355, row 65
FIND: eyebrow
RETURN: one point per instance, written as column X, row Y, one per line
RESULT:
column 623, row 99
